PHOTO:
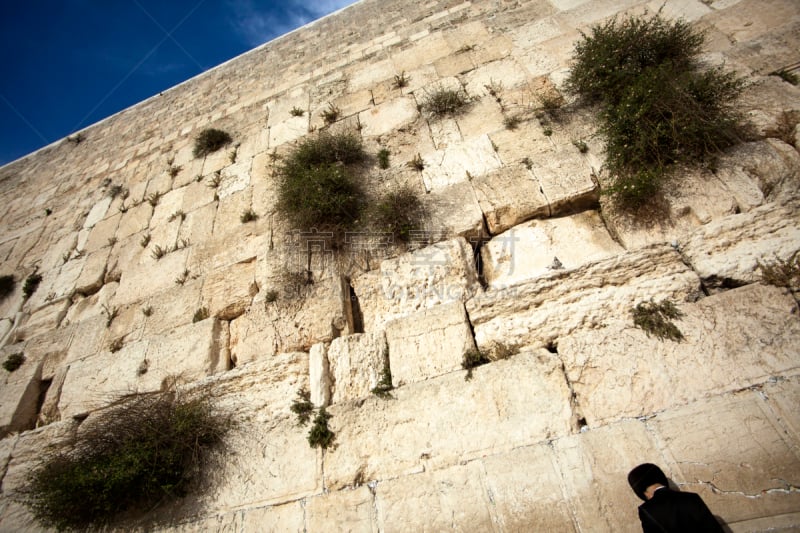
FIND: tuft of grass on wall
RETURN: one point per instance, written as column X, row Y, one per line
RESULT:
column 210, row 140
column 658, row 107
column 656, row 319
column 399, row 212
column 443, row 102
column 31, row 284
column 143, row 452
column 13, row 361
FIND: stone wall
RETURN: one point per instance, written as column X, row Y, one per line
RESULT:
column 520, row 257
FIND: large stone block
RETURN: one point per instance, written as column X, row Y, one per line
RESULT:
column 388, row 116
column 727, row 251
column 440, row 273
column 453, row 211
column 732, row 340
column 732, row 451
column 295, row 321
column 566, row 180
column 538, row 312
column 143, row 281
column 356, row 364
column 343, row 510
column 509, row 196
column 227, row 292
column 451, row 499
column 459, row 163
column 288, row 517
column 428, row 343
column 444, row 420
column 19, row 394
column 538, row 247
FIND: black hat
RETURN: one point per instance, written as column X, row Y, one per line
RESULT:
column 645, row 475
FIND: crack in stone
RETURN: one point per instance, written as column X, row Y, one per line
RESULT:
column 788, row 489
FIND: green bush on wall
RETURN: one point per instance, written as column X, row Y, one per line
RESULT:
column 210, row 140
column 130, row 458
column 658, row 107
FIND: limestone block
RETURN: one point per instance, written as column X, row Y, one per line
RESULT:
column 89, row 338
column 529, row 250
column 453, row 65
column 251, row 240
column 441, row 273
column 444, row 132
column 425, row 51
column 168, row 205
column 61, row 246
column 227, row 292
column 216, row 161
column 296, row 321
column 356, row 363
column 354, row 102
column 453, row 211
column 732, row 452
column 142, row 281
column 49, row 347
column 198, row 225
column 87, row 307
column 726, row 251
column 732, row 340
column 288, row 517
column 43, row 320
column 760, row 21
column 457, row 163
column 428, row 343
column 388, row 116
column 319, row 375
column 19, row 394
column 535, row 32
column 506, row 71
column 782, row 397
column 229, row 212
column 445, row 420
column 509, row 196
column 188, row 352
column 483, row 115
column 540, row 311
column 172, row 308
column 566, row 180
column 772, row 164
column 594, row 466
column 93, row 273
column 102, row 232
column 289, row 130
column 361, row 78
column 96, row 381
column 523, row 144
column 197, row 194
column 97, row 213
column 344, row 510
column 451, row 499
column 525, row 485
column 235, row 178
column 134, row 220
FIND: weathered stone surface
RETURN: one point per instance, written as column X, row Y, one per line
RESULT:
column 143, row 281
column 783, row 397
column 703, row 441
column 388, row 116
column 344, row 510
column 93, row 273
column 525, row 487
column 227, row 292
column 448, row 499
column 539, row 247
column 594, row 466
column 43, row 320
column 732, row 340
column 428, row 343
column 566, row 180
column 134, row 220
column 356, row 364
column 300, row 318
column 538, row 312
column 19, row 394
column 454, row 211
column 97, row 213
column 459, row 163
column 727, row 251
column 172, row 308
column 101, row 233
column 509, row 196
column 426, row 427
column 319, row 375
column 440, row 273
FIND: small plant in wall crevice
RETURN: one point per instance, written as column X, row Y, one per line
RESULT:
column 656, row 319
column 210, row 140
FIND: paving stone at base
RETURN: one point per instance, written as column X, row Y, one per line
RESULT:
column 540, row 311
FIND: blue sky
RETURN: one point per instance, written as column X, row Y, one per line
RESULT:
column 68, row 63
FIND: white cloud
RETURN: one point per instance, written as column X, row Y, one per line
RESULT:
column 259, row 22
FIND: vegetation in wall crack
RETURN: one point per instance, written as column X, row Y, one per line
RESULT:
column 31, row 284
column 271, row 296
column 384, row 387
column 444, row 102
column 331, row 114
column 302, row 407
column 417, row 163
column 200, row 315
column 116, row 345
column 399, row 213
column 210, row 140
column 141, row 453
column 13, row 361
column 787, row 76
column 472, row 359
column 320, row 183
column 7, row 285
column 400, row 80
column 111, row 313
column 320, row 435
column 782, row 273
column 248, row 216
column 656, row 319
column 383, row 158
column 657, row 106
column 297, row 112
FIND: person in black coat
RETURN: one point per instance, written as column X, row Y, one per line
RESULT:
column 665, row 510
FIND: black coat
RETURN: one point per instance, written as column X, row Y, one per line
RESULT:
column 669, row 511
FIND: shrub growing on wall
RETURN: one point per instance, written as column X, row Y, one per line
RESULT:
column 210, row 140
column 657, row 106
column 130, row 458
